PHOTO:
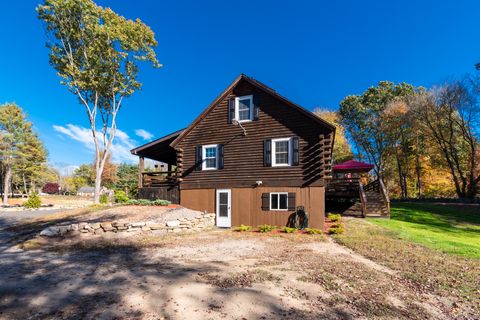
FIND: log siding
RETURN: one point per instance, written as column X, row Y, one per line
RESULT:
column 244, row 155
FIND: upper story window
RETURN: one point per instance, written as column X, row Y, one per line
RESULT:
column 281, row 152
column 210, row 157
column 244, row 108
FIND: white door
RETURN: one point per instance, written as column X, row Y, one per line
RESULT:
column 224, row 208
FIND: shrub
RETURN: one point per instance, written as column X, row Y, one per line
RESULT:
column 289, row 230
column 104, row 198
column 33, row 201
column 242, row 228
column 334, row 217
column 336, row 228
column 266, row 228
column 160, row 202
column 145, row 202
column 50, row 188
column 313, row 231
column 120, row 196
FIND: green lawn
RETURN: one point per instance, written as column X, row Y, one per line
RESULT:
column 451, row 229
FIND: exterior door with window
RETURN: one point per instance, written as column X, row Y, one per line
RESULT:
column 224, row 208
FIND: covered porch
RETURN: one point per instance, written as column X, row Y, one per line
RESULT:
column 161, row 181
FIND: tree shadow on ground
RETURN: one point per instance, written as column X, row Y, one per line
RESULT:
column 102, row 284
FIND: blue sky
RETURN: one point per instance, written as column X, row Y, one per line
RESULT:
column 313, row 52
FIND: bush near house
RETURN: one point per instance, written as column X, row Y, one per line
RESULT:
column 145, row 202
column 266, row 228
column 242, row 228
column 313, row 231
column 289, row 230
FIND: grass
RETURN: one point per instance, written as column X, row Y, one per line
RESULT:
column 423, row 268
column 451, row 229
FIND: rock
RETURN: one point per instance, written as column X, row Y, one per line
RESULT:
column 145, row 228
column 177, row 230
column 137, row 224
column 74, row 227
column 107, row 226
column 118, row 224
column 95, row 225
column 63, row 230
column 50, row 232
column 121, row 228
column 156, row 226
column 173, row 223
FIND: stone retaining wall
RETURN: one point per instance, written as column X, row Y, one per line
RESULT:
column 205, row 220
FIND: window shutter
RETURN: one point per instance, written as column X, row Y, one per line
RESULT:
column 291, row 201
column 220, row 156
column 231, row 110
column 256, row 108
column 267, row 153
column 295, row 151
column 265, row 202
column 198, row 159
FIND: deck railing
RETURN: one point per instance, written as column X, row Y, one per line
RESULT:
column 158, row 178
column 343, row 185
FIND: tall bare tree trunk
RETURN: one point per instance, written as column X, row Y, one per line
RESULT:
column 6, row 184
column 418, row 172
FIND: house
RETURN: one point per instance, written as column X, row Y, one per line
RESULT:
column 252, row 156
column 86, row 191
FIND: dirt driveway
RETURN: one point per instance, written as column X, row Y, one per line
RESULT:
column 211, row 275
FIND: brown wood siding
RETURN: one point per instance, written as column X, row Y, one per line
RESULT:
column 198, row 199
column 243, row 161
column 247, row 204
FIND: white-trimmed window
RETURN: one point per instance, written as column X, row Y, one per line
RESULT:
column 210, row 157
column 278, row 201
column 281, row 152
column 244, row 108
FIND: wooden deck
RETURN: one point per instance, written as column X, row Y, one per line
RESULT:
column 159, row 185
column 349, row 196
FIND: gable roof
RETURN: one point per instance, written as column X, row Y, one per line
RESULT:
column 159, row 140
column 258, row 85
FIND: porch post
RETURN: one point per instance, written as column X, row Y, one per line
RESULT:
column 141, row 167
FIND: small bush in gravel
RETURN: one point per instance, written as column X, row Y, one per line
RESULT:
column 289, row 230
column 33, row 201
column 334, row 217
column 121, row 196
column 266, row 228
column 242, row 228
column 313, row 231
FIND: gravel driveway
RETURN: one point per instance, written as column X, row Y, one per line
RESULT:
column 10, row 218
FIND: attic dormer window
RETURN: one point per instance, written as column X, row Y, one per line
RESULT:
column 244, row 108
